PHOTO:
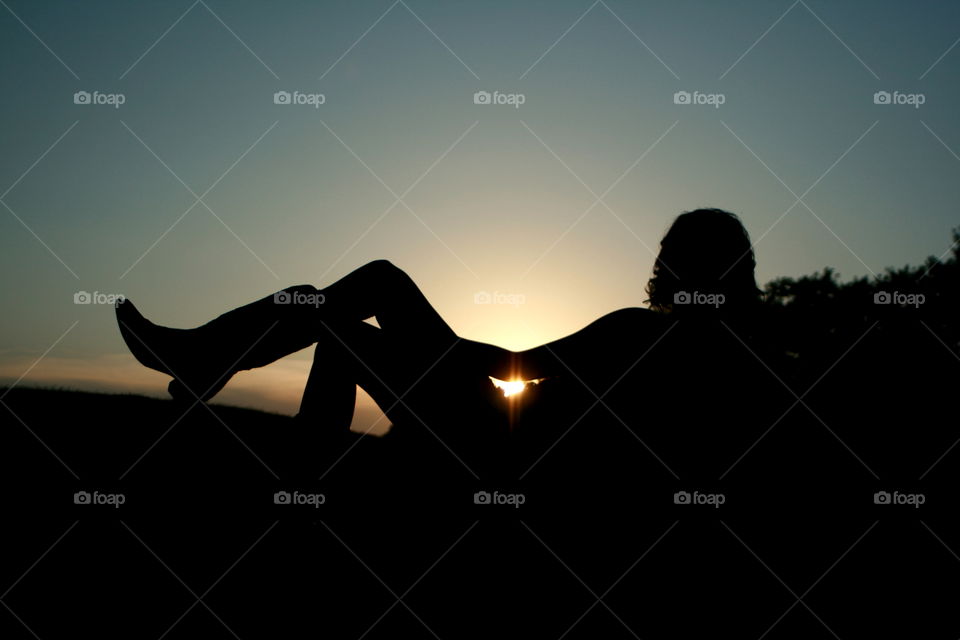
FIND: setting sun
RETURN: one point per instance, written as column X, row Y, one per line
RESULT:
column 511, row 387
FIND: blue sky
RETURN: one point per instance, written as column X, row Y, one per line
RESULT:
column 557, row 204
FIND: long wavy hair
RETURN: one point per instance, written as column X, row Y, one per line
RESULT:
column 705, row 251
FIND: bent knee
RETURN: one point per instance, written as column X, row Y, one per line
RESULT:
column 386, row 271
column 383, row 265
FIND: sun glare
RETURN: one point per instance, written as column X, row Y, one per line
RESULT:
column 511, row 387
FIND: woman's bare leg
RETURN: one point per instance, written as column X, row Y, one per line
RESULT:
column 380, row 289
column 366, row 356
column 330, row 395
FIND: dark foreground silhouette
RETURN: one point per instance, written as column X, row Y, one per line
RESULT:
column 602, row 511
column 784, row 473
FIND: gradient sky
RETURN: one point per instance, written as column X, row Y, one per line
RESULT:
column 494, row 198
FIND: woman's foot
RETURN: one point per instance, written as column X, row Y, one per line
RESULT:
column 175, row 352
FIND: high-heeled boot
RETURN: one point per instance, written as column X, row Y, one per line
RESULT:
column 202, row 360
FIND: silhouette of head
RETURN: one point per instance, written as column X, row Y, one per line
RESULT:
column 704, row 255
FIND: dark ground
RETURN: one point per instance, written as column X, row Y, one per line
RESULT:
column 598, row 549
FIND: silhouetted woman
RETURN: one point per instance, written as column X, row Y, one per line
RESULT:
column 414, row 360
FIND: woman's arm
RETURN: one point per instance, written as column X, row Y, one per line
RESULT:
column 600, row 342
